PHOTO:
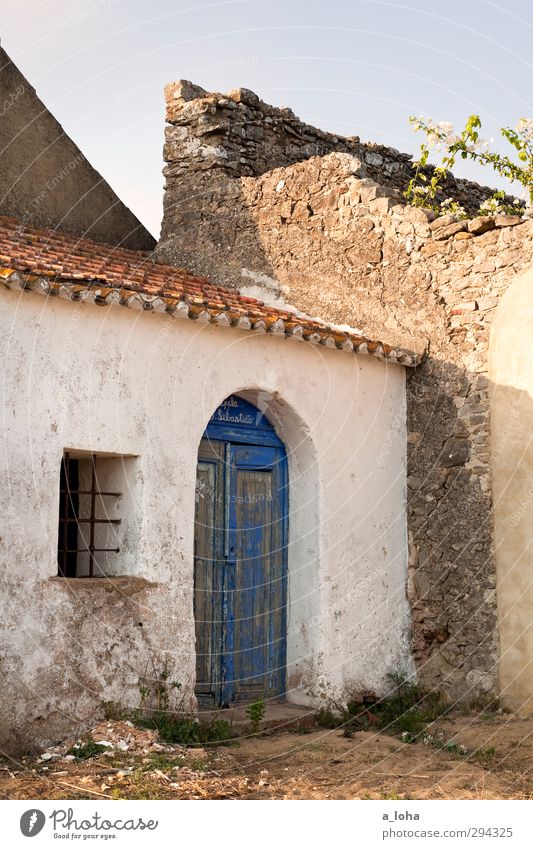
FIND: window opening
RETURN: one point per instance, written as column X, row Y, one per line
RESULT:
column 73, row 538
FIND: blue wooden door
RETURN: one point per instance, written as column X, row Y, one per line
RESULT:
column 240, row 564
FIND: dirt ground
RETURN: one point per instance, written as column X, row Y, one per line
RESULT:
column 462, row 757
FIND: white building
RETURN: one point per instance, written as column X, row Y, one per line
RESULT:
column 294, row 584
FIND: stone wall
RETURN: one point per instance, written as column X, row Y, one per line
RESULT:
column 258, row 200
column 212, row 139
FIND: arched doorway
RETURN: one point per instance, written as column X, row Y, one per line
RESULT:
column 240, row 558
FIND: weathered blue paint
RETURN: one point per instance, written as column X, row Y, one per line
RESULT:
column 246, row 637
column 236, row 420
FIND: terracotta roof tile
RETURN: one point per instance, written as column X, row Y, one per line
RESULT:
column 60, row 264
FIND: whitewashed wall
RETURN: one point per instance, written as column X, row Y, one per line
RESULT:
column 114, row 380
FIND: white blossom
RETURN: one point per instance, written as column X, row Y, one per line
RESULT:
column 491, row 205
column 525, row 128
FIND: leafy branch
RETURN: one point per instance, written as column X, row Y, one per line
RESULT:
column 424, row 191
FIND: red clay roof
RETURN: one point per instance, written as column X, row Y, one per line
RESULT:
column 80, row 269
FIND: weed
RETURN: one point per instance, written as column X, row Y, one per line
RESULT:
column 450, row 747
column 405, row 712
column 393, row 795
column 327, row 718
column 161, row 709
column 84, row 751
column 485, row 756
column 120, row 760
column 408, row 710
column 199, row 765
column 141, row 788
column 163, row 762
column 256, row 713
column 485, row 705
column 187, row 729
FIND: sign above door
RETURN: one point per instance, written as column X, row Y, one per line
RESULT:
column 237, row 420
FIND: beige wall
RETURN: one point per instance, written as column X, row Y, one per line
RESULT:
column 45, row 179
column 511, row 375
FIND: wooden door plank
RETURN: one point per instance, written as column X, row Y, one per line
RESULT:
column 208, row 573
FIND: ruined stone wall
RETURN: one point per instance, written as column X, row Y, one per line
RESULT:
column 327, row 234
column 212, row 139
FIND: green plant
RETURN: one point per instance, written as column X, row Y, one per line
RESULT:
column 327, row 718
column 161, row 708
column 158, row 705
column 408, row 709
column 426, row 186
column 163, row 762
column 485, row 756
column 450, row 746
column 84, row 751
column 256, row 713
column 405, row 711
column 187, row 729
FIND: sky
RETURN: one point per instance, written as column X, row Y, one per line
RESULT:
column 353, row 67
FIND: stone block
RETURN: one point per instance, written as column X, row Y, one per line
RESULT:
column 380, row 205
column 244, row 95
column 449, row 230
column 455, row 453
column 370, row 190
column 183, row 90
column 487, row 304
column 485, row 267
column 419, row 215
column 374, row 158
column 443, row 221
column 481, row 224
column 508, row 220
column 465, row 306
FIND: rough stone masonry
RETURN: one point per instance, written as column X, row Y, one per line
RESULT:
column 258, row 200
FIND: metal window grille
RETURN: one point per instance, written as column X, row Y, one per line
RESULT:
column 72, row 526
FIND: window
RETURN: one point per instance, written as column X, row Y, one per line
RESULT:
column 90, row 521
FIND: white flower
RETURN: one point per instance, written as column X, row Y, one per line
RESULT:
column 446, row 127
column 491, row 205
column 525, row 127
column 479, row 146
column 451, row 205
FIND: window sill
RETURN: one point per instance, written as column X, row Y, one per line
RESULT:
column 130, row 583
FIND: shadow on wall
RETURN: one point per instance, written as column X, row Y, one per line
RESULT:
column 511, row 374
column 218, row 244
column 451, row 569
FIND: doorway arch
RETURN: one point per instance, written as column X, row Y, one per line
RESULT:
column 240, row 557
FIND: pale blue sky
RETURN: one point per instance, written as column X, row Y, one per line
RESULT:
column 359, row 67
